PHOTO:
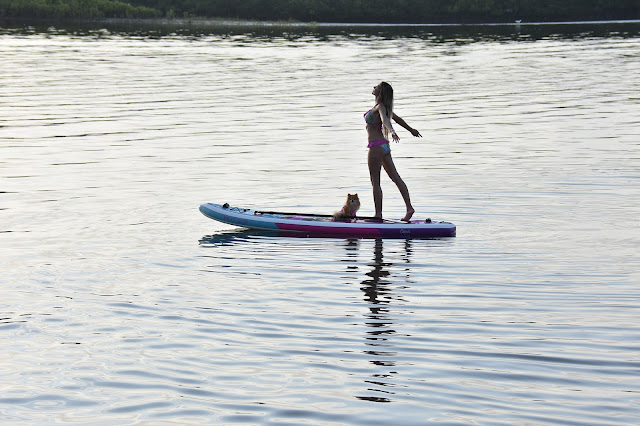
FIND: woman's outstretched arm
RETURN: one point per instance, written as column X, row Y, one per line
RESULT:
column 404, row 124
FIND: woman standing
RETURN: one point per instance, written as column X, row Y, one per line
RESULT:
column 379, row 126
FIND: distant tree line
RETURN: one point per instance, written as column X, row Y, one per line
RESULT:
column 414, row 11
column 74, row 9
column 407, row 11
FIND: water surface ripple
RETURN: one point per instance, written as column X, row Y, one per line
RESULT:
column 122, row 304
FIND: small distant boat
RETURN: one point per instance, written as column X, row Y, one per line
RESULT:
column 325, row 225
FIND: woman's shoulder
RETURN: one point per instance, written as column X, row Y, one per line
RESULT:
column 379, row 107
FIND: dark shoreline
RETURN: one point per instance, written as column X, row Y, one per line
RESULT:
column 436, row 33
column 223, row 22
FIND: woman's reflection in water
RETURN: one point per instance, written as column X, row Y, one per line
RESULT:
column 378, row 295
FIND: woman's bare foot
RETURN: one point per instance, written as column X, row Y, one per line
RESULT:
column 410, row 213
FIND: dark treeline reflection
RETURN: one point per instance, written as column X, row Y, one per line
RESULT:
column 458, row 34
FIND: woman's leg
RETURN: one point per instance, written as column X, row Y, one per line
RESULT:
column 375, row 165
column 390, row 168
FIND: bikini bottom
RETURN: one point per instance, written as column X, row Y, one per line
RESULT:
column 382, row 143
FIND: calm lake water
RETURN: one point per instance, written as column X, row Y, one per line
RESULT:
column 122, row 304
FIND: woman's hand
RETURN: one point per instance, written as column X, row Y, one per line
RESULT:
column 395, row 137
column 415, row 133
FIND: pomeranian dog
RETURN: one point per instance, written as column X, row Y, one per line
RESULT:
column 349, row 209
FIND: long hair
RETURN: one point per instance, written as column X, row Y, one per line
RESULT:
column 386, row 99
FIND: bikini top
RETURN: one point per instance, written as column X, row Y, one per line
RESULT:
column 368, row 116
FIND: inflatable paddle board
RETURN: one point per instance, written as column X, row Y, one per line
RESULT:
column 325, row 225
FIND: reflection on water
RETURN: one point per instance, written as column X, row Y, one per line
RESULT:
column 379, row 291
column 445, row 33
column 235, row 237
column 379, row 297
